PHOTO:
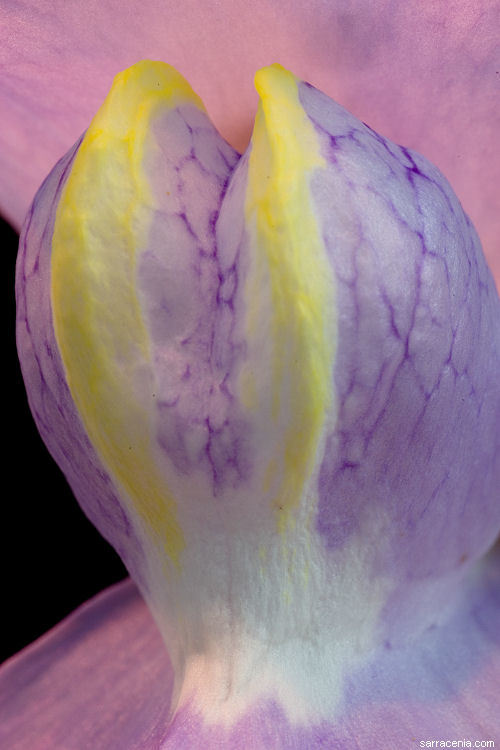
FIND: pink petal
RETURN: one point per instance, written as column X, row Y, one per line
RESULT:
column 101, row 674
column 424, row 75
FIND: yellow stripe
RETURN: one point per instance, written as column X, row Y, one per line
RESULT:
column 102, row 224
column 285, row 152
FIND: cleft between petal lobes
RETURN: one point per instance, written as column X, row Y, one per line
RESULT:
column 291, row 266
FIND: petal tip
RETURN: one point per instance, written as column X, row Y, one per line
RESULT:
column 272, row 80
column 140, row 88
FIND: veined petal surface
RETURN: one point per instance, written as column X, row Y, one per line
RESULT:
column 273, row 382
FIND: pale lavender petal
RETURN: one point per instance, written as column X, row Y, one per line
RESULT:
column 49, row 398
column 418, row 364
column 295, row 449
column 101, row 679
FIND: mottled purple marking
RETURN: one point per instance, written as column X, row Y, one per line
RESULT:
column 417, row 373
column 190, row 305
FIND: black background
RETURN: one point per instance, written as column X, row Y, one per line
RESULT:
column 52, row 558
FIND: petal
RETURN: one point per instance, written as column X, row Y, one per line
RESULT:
column 277, row 368
column 99, row 677
column 425, row 76
column 102, row 680
column 195, row 162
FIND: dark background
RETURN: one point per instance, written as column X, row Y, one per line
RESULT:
column 51, row 557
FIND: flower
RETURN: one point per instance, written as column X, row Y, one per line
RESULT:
column 375, row 647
